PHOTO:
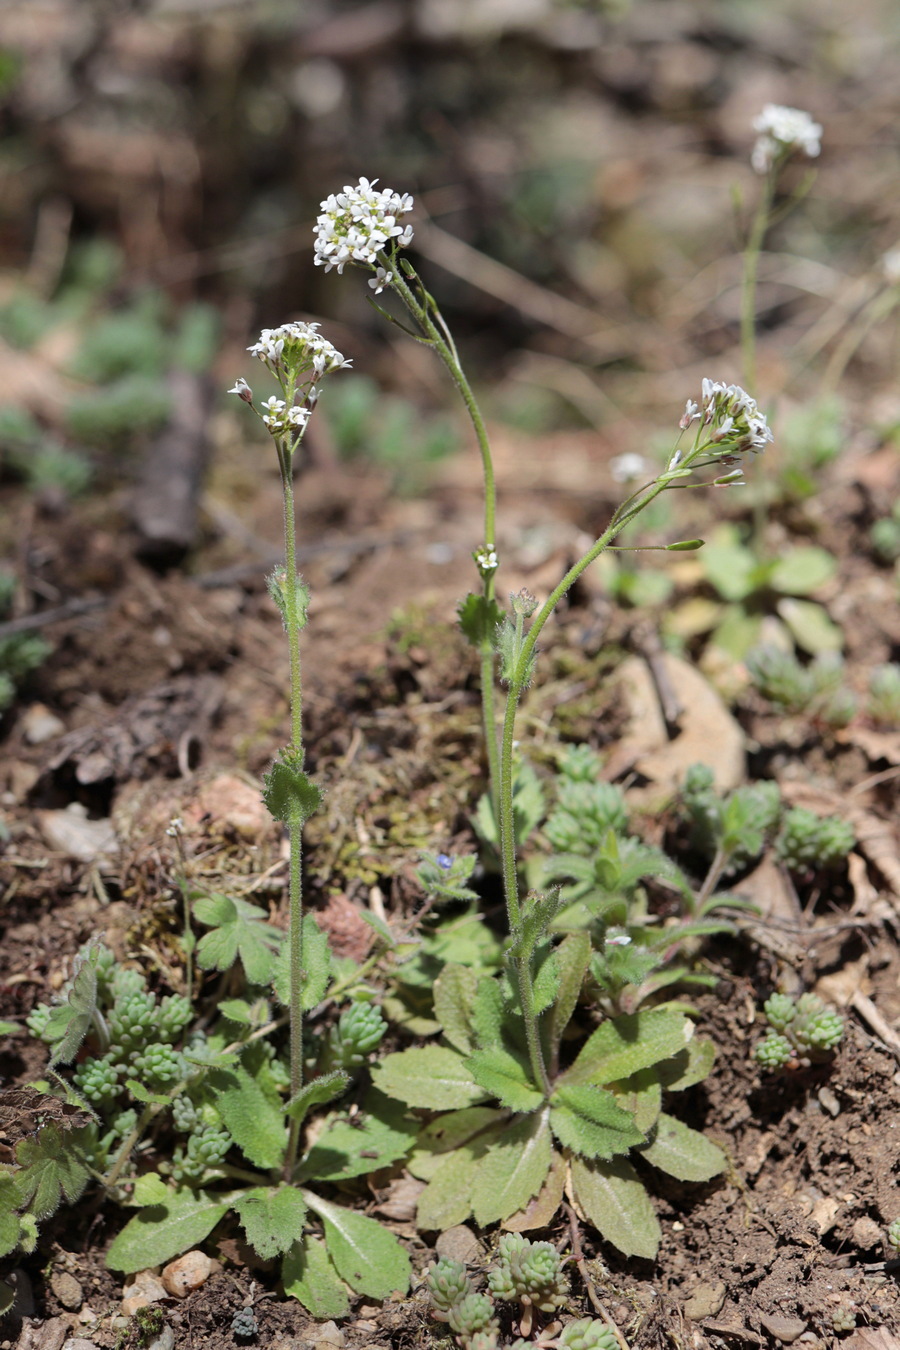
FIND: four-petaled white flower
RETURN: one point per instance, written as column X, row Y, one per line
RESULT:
column 242, row 389
column 691, row 414
column 628, row 467
column 782, row 130
column 299, row 347
column 381, row 279
column 273, row 411
column 357, row 224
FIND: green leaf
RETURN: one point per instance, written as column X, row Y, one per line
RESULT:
column 810, row 626
column 70, row 1022
column 239, row 930
column 7, row 1296
column 272, row 1219
column 688, row 1067
column 289, row 795
column 546, row 975
column 487, row 1014
column 447, row 1199
column 150, row 1189
column 683, row 1153
column 731, row 569
column 449, row 1132
column 10, row 1222
column 590, row 1121
column 621, row 1046
column 365, row 1254
column 428, row 1076
column 52, row 1167
column 454, row 994
column 252, row 1118
column 309, row 1277
column 802, row 570
column 380, row 927
column 316, row 969
column 159, row 1233
column 142, row 1094
column 572, row 957
column 641, row 1096
column 9, row 1029
column 317, row 1093
column 612, row 1197
column 236, row 1010
column 504, row 1077
column 379, row 1135
column 541, row 1211
column 478, row 617
column 513, row 1169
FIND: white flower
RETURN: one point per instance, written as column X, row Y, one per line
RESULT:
column 380, row 280
column 890, row 267
column 628, row 467
column 299, row 347
column 243, row 390
column 486, row 559
column 357, row 224
column 782, row 130
column 691, row 414
column 273, row 411
column 736, row 421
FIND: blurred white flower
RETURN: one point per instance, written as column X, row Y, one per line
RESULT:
column 780, row 131
column 243, row 390
column 357, row 224
column 735, row 421
column 628, row 467
column 890, row 267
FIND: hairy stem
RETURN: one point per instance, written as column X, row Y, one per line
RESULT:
column 748, row 285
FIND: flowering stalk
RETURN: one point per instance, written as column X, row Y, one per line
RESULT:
column 781, row 131
column 729, row 424
column 297, row 356
column 360, row 227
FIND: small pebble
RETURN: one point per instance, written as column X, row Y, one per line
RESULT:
column 330, row 1334
column 144, row 1289
column 867, row 1234
column 459, row 1244
column 164, row 1341
column 39, row 724
column 784, row 1329
column 186, row 1274
column 80, row 1343
column 67, row 1290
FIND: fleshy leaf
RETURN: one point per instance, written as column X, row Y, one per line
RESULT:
column 379, row 1135
column 454, row 995
column 159, row 1233
column 365, row 1254
column 272, row 1219
column 513, row 1169
column 590, row 1121
column 504, row 1077
column 239, row 929
column 309, row 1277
column 289, row 795
column 623, row 1045
column 429, row 1076
column 612, row 1197
column 684, row 1153
column 253, row 1120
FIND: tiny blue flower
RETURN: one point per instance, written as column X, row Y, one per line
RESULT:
column 444, row 860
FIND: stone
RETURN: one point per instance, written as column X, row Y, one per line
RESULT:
column 80, row 1343
column 188, row 1273
column 39, row 724
column 706, row 1300
column 164, row 1341
column 71, row 832
column 867, row 1234
column 784, row 1329
column 67, row 1290
column 459, row 1244
column 145, row 1288
column 330, row 1334
column 43, row 1335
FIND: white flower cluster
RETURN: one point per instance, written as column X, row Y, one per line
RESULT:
column 734, row 418
column 282, row 420
column 780, row 131
column 297, row 347
column 357, row 224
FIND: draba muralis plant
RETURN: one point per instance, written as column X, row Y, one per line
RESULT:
column 532, row 1116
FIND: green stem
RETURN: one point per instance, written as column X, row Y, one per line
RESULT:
column 748, row 287
column 295, row 824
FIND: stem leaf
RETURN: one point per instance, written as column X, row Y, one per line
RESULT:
column 289, row 795
column 590, row 1121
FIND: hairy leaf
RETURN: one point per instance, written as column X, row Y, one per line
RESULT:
column 255, row 1122
column 271, row 1218
column 159, row 1233
column 612, row 1197
column 449, row 1132
column 683, row 1153
column 289, row 795
column 506, row 1078
column 70, row 1022
column 688, row 1067
column 454, row 995
column 622, row 1046
column 316, row 966
column 478, row 617
column 149, row 1189
column 572, row 957
column 447, row 1199
column 239, row 929
column 513, row 1169
column 487, row 1014
column 364, row 1253
column 317, row 1093
column 641, row 1096
column 52, row 1167
column 589, row 1121
column 541, row 1211
column 309, row 1277
column 379, row 1135
column 429, row 1076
